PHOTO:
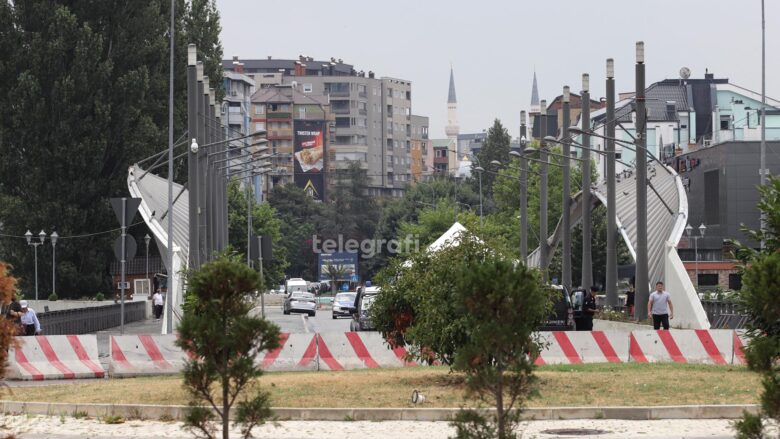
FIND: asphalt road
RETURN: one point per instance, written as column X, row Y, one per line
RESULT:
column 301, row 323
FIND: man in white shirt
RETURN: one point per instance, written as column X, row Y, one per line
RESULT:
column 29, row 320
column 157, row 302
column 660, row 307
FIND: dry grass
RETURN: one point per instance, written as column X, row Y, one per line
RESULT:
column 582, row 385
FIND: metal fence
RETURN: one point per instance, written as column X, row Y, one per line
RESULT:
column 724, row 314
column 87, row 320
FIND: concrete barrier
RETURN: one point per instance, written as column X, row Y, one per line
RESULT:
column 297, row 352
column 741, row 341
column 51, row 357
column 357, row 350
column 700, row 346
column 135, row 355
column 584, row 347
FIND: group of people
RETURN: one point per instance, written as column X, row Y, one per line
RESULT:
column 659, row 307
column 24, row 318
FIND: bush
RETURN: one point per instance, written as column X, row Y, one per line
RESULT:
column 100, row 297
column 53, row 297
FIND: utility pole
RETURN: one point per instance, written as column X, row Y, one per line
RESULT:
column 587, row 266
column 523, row 192
column 763, row 171
column 202, row 164
column 192, row 154
column 566, row 192
column 543, row 262
column 612, row 295
column 169, row 294
column 642, row 281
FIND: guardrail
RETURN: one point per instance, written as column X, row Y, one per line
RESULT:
column 87, row 320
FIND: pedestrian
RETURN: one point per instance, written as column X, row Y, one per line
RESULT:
column 630, row 293
column 157, row 303
column 14, row 314
column 588, row 310
column 660, row 307
column 29, row 320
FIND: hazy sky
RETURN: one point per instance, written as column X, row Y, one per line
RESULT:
column 494, row 46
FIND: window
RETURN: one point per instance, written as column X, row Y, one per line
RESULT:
column 301, row 112
column 708, row 279
column 735, row 281
column 389, row 92
column 259, row 126
column 724, row 122
column 259, row 109
column 308, row 88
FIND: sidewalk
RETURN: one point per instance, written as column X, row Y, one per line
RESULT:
column 67, row 427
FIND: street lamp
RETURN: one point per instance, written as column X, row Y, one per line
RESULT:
column 42, row 237
column 147, row 238
column 54, row 237
column 688, row 231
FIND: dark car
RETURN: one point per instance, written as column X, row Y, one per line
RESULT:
column 361, row 320
column 343, row 305
column 299, row 301
column 562, row 316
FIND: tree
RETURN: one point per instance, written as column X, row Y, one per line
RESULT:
column 264, row 223
column 335, row 273
column 758, row 297
column 221, row 340
column 7, row 327
column 202, row 27
column 475, row 309
column 495, row 147
column 299, row 217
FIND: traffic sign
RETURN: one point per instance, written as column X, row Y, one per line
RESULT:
column 354, row 278
column 130, row 209
column 130, row 248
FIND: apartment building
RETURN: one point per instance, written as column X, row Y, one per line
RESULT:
column 372, row 117
column 420, row 167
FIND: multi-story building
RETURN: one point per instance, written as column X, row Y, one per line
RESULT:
column 279, row 110
column 236, row 113
column 419, row 167
column 445, row 157
column 372, row 116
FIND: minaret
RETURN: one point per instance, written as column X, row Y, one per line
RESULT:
column 535, row 109
column 452, row 129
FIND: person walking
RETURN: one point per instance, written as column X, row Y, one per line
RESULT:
column 14, row 314
column 660, row 307
column 29, row 320
column 630, row 294
column 588, row 310
column 157, row 302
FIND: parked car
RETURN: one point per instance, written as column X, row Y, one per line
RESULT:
column 343, row 305
column 296, row 284
column 562, row 316
column 300, row 301
column 361, row 320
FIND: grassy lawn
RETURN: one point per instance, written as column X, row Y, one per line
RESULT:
column 576, row 385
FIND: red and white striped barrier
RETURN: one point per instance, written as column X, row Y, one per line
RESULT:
column 357, row 350
column 741, row 341
column 134, row 355
column 583, row 347
column 700, row 346
column 296, row 352
column 52, row 357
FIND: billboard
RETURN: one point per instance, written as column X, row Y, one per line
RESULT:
column 309, row 152
column 346, row 263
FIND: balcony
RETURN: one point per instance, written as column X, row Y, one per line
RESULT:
column 339, row 110
column 440, row 160
column 279, row 115
column 363, row 112
column 363, row 94
column 280, row 134
column 339, row 93
column 235, row 119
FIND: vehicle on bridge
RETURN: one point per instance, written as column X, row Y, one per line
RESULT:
column 361, row 321
column 300, row 301
column 344, row 305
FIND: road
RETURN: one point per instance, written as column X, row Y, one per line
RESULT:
column 301, row 323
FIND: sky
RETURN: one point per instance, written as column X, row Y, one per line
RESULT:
column 495, row 46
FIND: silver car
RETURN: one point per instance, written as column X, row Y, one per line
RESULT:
column 300, row 301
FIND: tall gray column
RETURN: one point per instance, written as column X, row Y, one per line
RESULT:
column 642, row 281
column 208, row 187
column 192, row 157
column 612, row 294
column 523, row 193
column 566, row 193
column 210, row 202
column 543, row 260
column 218, row 131
column 202, row 166
column 587, row 265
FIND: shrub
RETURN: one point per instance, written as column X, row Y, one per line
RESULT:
column 53, row 297
column 100, row 297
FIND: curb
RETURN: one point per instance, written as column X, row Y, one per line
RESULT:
column 176, row 412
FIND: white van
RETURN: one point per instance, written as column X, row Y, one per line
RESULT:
column 296, row 284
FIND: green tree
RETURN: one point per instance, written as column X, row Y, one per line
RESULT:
column 264, row 223
column 495, row 147
column 222, row 339
column 202, row 28
column 299, row 218
column 758, row 297
column 335, row 273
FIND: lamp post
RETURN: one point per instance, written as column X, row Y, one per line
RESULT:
column 586, row 279
column 54, row 237
column 688, row 231
column 612, row 295
column 42, row 237
column 480, row 169
column 147, row 238
column 523, row 191
column 642, row 282
column 543, row 262
column 566, row 194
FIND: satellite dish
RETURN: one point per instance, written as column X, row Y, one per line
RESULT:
column 685, row 73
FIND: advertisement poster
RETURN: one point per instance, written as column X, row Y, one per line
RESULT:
column 345, row 263
column 310, row 157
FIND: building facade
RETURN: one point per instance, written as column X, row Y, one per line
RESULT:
column 372, row 116
column 419, row 166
